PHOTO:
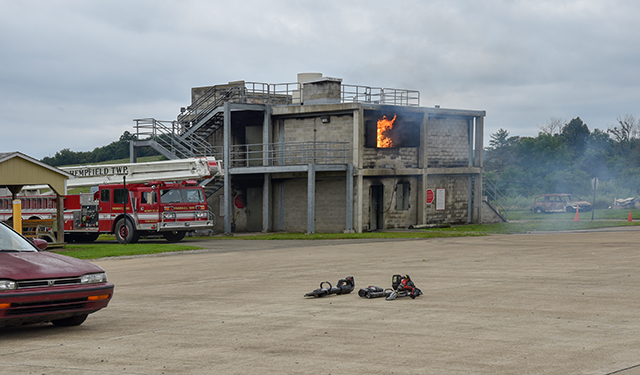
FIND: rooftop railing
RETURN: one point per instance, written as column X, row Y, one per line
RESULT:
column 292, row 93
column 379, row 95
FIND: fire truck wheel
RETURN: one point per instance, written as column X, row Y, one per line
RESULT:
column 125, row 233
column 92, row 237
column 81, row 237
column 174, row 236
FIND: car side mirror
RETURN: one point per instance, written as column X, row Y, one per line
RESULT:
column 40, row 244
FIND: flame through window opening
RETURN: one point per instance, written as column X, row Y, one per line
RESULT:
column 384, row 125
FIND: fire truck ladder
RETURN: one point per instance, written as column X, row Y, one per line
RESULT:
column 201, row 169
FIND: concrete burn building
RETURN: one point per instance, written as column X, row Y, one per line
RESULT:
column 318, row 155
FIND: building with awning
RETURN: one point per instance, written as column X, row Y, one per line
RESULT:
column 18, row 170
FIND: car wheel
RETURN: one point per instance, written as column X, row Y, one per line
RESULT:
column 71, row 321
column 569, row 209
column 125, row 233
column 174, row 236
column 538, row 210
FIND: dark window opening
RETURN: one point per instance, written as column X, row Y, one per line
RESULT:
column 148, row 197
column 396, row 129
column 104, row 195
column 120, row 196
column 402, row 196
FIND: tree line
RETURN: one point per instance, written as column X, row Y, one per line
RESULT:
column 113, row 151
column 565, row 157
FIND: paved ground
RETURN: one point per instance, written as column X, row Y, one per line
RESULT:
column 509, row 304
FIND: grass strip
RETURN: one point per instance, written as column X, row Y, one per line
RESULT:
column 104, row 250
column 536, row 226
column 400, row 233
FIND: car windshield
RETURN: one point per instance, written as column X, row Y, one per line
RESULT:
column 11, row 241
column 573, row 198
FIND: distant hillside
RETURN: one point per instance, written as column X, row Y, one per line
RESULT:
column 111, row 153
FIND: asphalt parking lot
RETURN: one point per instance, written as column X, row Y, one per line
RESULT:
column 564, row 303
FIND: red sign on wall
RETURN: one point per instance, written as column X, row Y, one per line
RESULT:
column 429, row 196
column 239, row 201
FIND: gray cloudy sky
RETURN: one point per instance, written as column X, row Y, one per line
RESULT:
column 75, row 73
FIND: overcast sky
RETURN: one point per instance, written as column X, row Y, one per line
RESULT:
column 74, row 74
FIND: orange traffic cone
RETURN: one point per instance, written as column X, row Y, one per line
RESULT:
column 577, row 214
column 629, row 219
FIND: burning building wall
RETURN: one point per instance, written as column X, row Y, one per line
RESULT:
column 397, row 165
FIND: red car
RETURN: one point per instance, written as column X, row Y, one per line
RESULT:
column 38, row 286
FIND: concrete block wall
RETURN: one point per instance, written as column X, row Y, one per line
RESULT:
column 447, row 142
column 456, row 199
column 401, row 157
column 295, row 205
column 393, row 218
column 338, row 129
column 330, row 204
column 322, row 91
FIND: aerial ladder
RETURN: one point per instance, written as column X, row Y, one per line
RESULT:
column 203, row 168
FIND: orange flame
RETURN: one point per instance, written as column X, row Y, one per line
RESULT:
column 383, row 125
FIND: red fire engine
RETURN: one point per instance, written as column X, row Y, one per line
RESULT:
column 130, row 210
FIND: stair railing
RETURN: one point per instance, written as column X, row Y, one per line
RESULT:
column 495, row 196
column 167, row 135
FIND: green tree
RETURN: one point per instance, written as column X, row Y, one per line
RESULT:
column 113, row 151
column 576, row 134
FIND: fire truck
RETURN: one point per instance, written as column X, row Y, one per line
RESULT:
column 127, row 200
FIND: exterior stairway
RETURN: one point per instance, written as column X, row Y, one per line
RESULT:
column 186, row 137
column 495, row 199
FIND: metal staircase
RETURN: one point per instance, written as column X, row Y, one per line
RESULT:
column 496, row 199
column 212, row 185
column 186, row 137
column 205, row 115
column 167, row 138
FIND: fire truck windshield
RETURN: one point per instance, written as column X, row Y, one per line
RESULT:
column 181, row 196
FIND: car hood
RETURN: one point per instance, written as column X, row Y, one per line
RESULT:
column 42, row 265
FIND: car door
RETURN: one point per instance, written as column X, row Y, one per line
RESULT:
column 105, row 220
column 148, row 212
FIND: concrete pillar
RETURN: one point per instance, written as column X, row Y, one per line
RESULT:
column 349, row 188
column 478, row 162
column 133, row 152
column 226, row 161
column 423, row 162
column 266, row 161
column 359, row 201
column 470, row 206
column 358, row 150
column 266, row 203
column 311, row 198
